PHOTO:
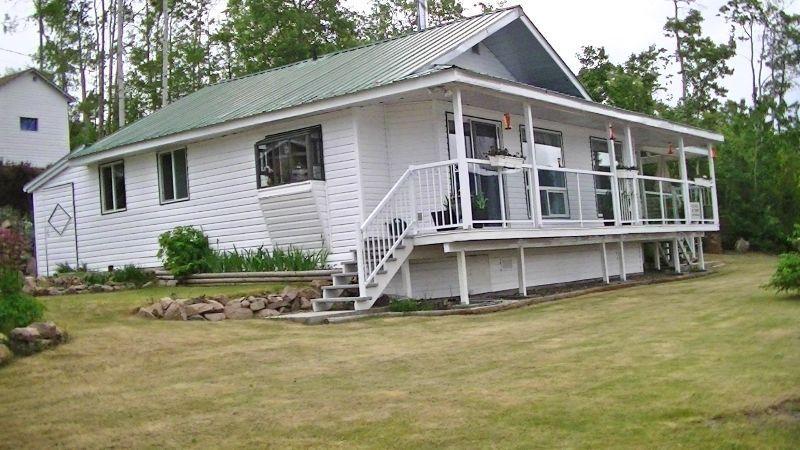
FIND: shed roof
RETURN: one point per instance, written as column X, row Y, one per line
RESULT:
column 13, row 76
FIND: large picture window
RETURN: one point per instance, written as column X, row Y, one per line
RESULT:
column 549, row 150
column 112, row 187
column 290, row 158
column 172, row 176
column 601, row 162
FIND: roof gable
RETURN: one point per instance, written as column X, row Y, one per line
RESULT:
column 39, row 75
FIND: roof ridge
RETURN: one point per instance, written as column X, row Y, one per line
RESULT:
column 364, row 45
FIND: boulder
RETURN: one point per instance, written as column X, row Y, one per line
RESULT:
column 278, row 303
column 196, row 317
column 175, row 311
column 165, row 302
column 53, row 291
column 265, row 313
column 289, row 293
column 215, row 306
column 258, row 304
column 145, row 313
column 157, row 310
column 198, row 308
column 48, row 330
column 215, row 317
column 235, row 311
column 305, row 303
column 24, row 334
column 245, row 303
column 742, row 246
column 5, row 354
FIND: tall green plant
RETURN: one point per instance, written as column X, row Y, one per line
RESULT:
column 17, row 309
column 184, row 251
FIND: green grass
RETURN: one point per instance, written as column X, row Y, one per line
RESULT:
column 706, row 363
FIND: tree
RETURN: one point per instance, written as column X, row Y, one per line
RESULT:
column 391, row 18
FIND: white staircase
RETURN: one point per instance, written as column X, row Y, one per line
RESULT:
column 687, row 254
column 386, row 237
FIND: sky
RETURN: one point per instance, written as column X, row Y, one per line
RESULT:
column 621, row 26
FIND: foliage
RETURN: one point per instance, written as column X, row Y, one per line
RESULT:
column 94, row 277
column 17, row 309
column 64, row 268
column 787, row 275
column 184, row 251
column 480, row 201
column 132, row 274
column 13, row 249
column 13, row 177
column 391, row 18
column 262, row 260
column 409, row 305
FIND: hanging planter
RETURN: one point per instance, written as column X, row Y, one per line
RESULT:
column 504, row 158
column 627, row 173
column 703, row 182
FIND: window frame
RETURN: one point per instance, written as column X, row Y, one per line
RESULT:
column 563, row 190
column 283, row 135
column 100, row 167
column 601, row 191
column 161, row 199
column 35, row 122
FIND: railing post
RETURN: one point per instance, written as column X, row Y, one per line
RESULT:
column 413, row 202
column 632, row 161
column 612, row 154
column 713, row 175
column 684, row 181
column 360, row 261
column 536, row 206
column 465, row 196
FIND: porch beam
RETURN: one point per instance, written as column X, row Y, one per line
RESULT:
column 463, row 287
column 465, row 197
column 604, row 262
column 712, row 173
column 633, row 161
column 536, row 206
column 684, row 180
column 612, row 154
column 523, row 283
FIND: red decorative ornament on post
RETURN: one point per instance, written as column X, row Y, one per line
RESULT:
column 507, row 121
column 671, row 149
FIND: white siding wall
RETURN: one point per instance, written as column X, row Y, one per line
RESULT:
column 434, row 274
column 24, row 97
column 223, row 198
column 482, row 62
column 373, row 155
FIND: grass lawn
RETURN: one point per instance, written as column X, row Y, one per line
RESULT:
column 710, row 362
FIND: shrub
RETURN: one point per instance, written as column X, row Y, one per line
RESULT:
column 92, row 277
column 184, row 251
column 13, row 176
column 17, row 309
column 132, row 274
column 65, row 268
column 13, row 249
column 787, row 276
column 408, row 305
column 262, row 260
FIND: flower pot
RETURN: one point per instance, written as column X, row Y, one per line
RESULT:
column 479, row 214
column 510, row 162
column 443, row 218
column 703, row 182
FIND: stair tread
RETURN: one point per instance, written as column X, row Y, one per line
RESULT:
column 337, row 287
column 340, row 299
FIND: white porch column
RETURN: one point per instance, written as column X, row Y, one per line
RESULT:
column 461, row 155
column 623, row 270
column 604, row 259
column 676, row 259
column 684, row 180
column 536, row 206
column 523, row 284
column 701, row 257
column 405, row 271
column 632, row 161
column 463, row 287
column 658, row 256
column 712, row 173
column 612, row 154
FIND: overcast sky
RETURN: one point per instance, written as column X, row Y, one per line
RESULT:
column 622, row 26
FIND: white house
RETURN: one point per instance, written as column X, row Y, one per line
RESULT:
column 386, row 155
column 34, row 122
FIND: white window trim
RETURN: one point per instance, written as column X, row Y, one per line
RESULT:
column 161, row 198
column 548, row 190
column 100, row 168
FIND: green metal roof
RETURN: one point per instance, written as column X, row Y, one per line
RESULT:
column 331, row 75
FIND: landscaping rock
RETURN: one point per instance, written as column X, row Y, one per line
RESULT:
column 265, row 313
column 48, row 330
column 196, row 317
column 245, row 303
column 24, row 334
column 198, row 308
column 5, row 354
column 175, row 311
column 145, row 313
column 235, row 311
column 258, row 304
column 742, row 246
column 215, row 306
column 215, row 317
column 35, row 338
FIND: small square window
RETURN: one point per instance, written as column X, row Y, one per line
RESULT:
column 29, row 124
column 112, row 187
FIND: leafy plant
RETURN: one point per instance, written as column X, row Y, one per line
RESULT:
column 184, row 251
column 92, row 277
column 132, row 274
column 480, row 201
column 408, row 305
column 13, row 249
column 787, row 276
column 495, row 151
column 262, row 260
column 64, row 268
column 17, row 309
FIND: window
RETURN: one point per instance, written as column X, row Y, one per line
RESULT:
column 290, row 158
column 549, row 149
column 112, row 187
column 601, row 162
column 29, row 124
column 172, row 176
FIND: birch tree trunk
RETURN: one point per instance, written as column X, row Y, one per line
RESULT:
column 120, row 74
column 165, row 55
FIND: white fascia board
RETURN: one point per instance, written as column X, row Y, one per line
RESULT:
column 524, row 91
column 239, row 125
column 58, row 167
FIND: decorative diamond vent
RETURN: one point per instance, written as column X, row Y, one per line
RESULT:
column 59, row 219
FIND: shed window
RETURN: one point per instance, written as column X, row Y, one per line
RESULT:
column 172, row 176
column 290, row 157
column 112, row 187
column 29, row 124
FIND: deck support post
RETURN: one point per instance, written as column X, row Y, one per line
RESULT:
column 463, row 287
column 523, row 284
column 676, row 258
column 712, row 174
column 405, row 272
column 684, row 182
column 658, row 256
column 623, row 275
column 536, row 206
column 612, row 156
column 465, row 197
column 604, row 259
column 632, row 161
column 701, row 257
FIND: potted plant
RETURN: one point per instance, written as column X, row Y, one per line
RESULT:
column 501, row 157
column 627, row 171
column 479, row 209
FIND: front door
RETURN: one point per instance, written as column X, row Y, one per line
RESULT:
column 60, row 238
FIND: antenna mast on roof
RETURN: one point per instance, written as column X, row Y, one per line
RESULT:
column 422, row 14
